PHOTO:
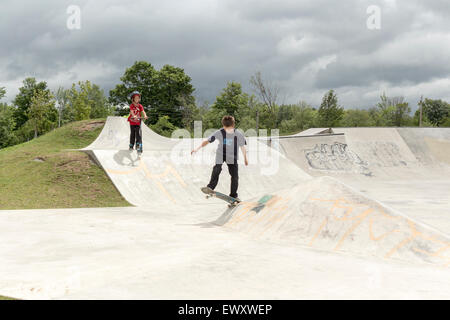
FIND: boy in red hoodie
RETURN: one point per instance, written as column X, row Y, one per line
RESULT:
column 135, row 122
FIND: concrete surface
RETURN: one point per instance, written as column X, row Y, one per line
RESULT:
column 405, row 168
column 308, row 228
column 169, row 175
column 132, row 253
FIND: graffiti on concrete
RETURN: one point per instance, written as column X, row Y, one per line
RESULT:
column 336, row 157
column 262, row 203
column 250, row 212
column 397, row 233
column 382, row 153
column 341, row 224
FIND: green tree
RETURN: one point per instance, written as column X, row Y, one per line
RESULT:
column 142, row 77
column 296, row 117
column 436, row 111
column 285, row 112
column 231, row 101
column 25, row 132
column 401, row 114
column 79, row 104
column 23, row 99
column 173, row 95
column 329, row 112
column 305, row 116
column 385, row 111
column 163, row 126
column 85, row 102
column 7, row 125
column 100, row 107
column 212, row 118
column 268, row 95
column 62, row 100
column 189, row 113
column 203, row 110
column 445, row 123
column 42, row 114
column 391, row 111
column 356, row 118
column 250, row 115
column 425, row 121
column 377, row 117
column 164, row 92
column 267, row 120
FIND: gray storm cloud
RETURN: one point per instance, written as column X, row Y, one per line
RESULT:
column 305, row 47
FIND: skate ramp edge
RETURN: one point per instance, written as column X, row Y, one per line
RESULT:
column 290, row 206
column 157, row 179
column 326, row 214
column 373, row 152
column 429, row 145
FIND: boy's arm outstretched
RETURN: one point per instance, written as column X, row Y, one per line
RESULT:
column 244, row 152
column 204, row 143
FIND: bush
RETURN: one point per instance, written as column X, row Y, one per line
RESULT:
column 356, row 118
column 7, row 125
column 446, row 122
column 163, row 126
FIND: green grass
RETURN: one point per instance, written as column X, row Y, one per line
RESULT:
column 6, row 298
column 65, row 179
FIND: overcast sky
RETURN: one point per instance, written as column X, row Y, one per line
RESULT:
column 304, row 47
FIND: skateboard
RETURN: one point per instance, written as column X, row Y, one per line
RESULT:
column 232, row 202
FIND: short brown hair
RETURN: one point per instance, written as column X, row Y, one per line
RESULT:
column 228, row 121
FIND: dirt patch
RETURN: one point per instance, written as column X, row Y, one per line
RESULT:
column 73, row 162
column 91, row 126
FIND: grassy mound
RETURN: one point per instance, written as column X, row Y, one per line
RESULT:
column 42, row 173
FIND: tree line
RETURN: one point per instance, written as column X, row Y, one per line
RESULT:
column 167, row 97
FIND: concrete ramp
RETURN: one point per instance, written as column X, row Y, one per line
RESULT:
column 431, row 146
column 372, row 152
column 175, row 244
column 328, row 215
column 380, row 147
column 168, row 175
column 376, row 147
column 405, row 168
column 280, row 200
column 314, row 131
column 324, row 154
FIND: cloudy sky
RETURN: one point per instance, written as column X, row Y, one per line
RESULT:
column 303, row 47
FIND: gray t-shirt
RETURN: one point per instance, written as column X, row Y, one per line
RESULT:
column 229, row 144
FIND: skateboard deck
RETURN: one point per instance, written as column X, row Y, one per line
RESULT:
column 211, row 193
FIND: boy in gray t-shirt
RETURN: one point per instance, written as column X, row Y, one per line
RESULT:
column 230, row 140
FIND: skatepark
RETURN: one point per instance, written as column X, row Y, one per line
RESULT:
column 330, row 213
